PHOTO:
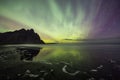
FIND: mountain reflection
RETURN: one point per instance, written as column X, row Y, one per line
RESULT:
column 27, row 54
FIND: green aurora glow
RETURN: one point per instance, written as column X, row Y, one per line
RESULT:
column 56, row 20
column 46, row 17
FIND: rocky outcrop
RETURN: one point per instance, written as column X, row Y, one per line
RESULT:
column 20, row 37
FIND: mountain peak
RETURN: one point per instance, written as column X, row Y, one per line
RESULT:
column 21, row 36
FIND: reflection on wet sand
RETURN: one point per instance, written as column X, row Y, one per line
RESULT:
column 60, row 54
column 60, row 63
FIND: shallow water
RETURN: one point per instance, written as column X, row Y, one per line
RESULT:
column 60, row 62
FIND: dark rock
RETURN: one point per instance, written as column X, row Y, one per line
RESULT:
column 20, row 37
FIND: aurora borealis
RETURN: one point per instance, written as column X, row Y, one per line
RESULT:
column 55, row 20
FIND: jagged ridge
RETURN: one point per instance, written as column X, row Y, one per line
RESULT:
column 21, row 36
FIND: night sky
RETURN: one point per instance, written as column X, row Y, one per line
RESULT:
column 56, row 20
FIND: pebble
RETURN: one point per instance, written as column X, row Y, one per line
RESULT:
column 94, row 70
column 100, row 67
column 91, row 78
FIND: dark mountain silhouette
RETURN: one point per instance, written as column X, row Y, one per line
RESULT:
column 20, row 37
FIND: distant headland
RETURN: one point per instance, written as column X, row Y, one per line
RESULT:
column 21, row 36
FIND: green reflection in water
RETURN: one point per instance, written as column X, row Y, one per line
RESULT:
column 59, row 54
